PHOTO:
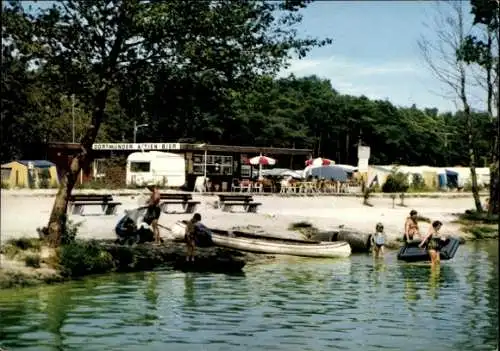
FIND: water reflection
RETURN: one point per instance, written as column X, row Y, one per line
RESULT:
column 189, row 290
column 292, row 304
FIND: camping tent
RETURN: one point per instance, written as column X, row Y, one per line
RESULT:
column 30, row 174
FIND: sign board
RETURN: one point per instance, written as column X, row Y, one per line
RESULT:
column 363, row 165
column 363, row 152
column 137, row 146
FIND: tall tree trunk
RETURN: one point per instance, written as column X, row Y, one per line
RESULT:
column 470, row 142
column 319, row 145
column 58, row 216
column 493, row 206
column 347, row 144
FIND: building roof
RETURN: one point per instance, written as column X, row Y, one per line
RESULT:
column 184, row 147
column 37, row 163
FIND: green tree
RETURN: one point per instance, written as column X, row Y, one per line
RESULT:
column 88, row 48
column 441, row 57
column 481, row 48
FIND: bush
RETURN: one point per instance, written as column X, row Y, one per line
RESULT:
column 81, row 258
column 69, row 235
column 468, row 186
column 418, row 182
column 10, row 251
column 32, row 260
column 44, row 179
column 396, row 182
column 5, row 185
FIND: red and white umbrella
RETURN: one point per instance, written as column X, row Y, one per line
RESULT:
column 262, row 160
column 319, row 162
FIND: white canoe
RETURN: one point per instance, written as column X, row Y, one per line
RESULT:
column 274, row 246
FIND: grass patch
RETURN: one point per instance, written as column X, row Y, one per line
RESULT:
column 33, row 244
column 15, row 279
column 484, row 231
column 32, row 260
column 473, row 217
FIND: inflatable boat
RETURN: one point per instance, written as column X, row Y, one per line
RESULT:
column 412, row 253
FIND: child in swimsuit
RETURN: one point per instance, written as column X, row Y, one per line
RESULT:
column 378, row 240
column 190, row 236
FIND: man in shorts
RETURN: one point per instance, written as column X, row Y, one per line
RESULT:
column 154, row 211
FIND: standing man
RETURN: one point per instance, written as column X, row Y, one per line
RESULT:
column 154, row 211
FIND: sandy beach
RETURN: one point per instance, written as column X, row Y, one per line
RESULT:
column 22, row 213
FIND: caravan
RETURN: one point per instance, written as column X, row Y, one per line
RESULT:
column 161, row 168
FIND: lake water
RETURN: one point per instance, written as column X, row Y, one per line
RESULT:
column 292, row 304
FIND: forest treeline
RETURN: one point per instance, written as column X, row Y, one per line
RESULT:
column 288, row 112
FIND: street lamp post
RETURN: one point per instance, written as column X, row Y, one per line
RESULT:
column 136, row 128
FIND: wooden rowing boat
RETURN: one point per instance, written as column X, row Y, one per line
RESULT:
column 250, row 242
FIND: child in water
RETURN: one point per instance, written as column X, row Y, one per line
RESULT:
column 378, row 240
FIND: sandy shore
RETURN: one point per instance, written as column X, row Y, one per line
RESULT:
column 21, row 215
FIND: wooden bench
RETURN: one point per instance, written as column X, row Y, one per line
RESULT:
column 184, row 199
column 246, row 201
column 78, row 202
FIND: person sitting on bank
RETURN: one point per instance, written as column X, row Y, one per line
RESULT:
column 190, row 236
column 433, row 242
column 154, row 211
column 411, row 227
column 378, row 240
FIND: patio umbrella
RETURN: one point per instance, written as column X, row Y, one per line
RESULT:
column 319, row 162
column 329, row 172
column 262, row 161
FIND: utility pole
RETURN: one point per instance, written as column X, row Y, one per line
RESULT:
column 136, row 128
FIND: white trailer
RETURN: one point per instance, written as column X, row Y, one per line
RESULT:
column 161, row 168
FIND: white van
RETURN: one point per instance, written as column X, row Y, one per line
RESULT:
column 162, row 168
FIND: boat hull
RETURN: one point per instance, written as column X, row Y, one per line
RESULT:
column 359, row 242
column 271, row 245
column 412, row 253
column 324, row 249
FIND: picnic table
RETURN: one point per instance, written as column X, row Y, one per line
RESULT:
column 77, row 202
column 246, row 201
column 184, row 199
